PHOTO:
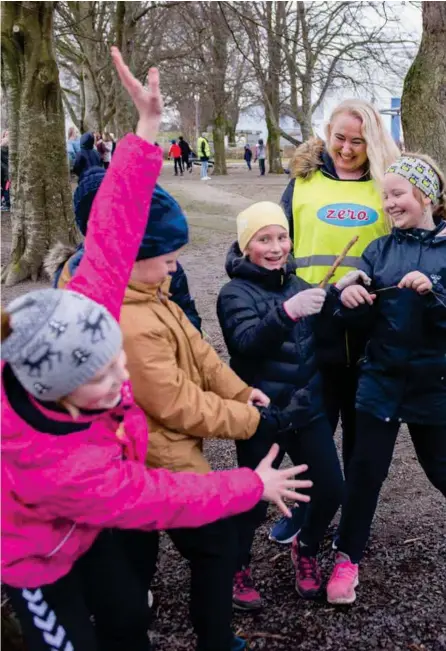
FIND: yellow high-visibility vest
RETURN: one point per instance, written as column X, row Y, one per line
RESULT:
column 327, row 214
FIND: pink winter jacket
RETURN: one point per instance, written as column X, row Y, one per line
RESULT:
column 59, row 491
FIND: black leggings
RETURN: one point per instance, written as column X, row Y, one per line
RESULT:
column 313, row 445
column 103, row 584
column 340, row 383
column 178, row 164
column 369, row 467
column 212, row 553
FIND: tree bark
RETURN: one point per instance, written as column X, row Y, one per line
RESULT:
column 42, row 203
column 275, row 16
column 125, row 27
column 423, row 104
column 218, row 91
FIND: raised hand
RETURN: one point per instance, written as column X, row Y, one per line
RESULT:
column 279, row 484
column 356, row 295
column 305, row 303
column 417, row 281
column 148, row 101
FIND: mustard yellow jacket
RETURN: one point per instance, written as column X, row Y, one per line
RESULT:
column 185, row 390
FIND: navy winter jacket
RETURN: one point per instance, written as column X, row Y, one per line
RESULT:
column 267, row 348
column 179, row 288
column 87, row 157
column 403, row 374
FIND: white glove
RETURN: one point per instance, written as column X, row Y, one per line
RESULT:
column 353, row 278
column 305, row 303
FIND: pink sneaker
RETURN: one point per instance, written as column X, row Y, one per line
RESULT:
column 308, row 575
column 343, row 581
column 244, row 594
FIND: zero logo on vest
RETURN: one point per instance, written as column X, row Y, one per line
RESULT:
column 347, row 214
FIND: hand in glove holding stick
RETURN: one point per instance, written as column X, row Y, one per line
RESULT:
column 353, row 278
column 305, row 303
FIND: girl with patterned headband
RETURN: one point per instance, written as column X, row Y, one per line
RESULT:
column 403, row 374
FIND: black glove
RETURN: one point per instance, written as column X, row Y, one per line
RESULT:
column 275, row 422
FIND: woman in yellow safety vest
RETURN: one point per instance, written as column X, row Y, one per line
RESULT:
column 334, row 195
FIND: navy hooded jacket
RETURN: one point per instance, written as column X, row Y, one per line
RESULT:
column 87, row 157
column 268, row 349
column 403, row 374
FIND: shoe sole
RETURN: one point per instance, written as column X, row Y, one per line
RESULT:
column 246, row 609
column 344, row 601
column 287, row 541
column 314, row 594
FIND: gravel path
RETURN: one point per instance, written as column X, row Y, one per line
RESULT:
column 402, row 595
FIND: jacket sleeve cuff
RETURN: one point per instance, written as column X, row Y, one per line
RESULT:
column 286, row 316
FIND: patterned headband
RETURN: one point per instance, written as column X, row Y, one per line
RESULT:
column 420, row 174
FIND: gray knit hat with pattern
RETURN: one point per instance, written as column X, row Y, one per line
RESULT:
column 60, row 339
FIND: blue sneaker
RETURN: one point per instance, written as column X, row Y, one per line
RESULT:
column 238, row 644
column 286, row 529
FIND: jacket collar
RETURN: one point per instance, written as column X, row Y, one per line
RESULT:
column 240, row 266
column 142, row 292
column 421, row 234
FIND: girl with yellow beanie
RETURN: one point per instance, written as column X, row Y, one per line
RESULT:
column 266, row 313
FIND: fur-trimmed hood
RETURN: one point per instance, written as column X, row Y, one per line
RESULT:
column 307, row 158
column 57, row 257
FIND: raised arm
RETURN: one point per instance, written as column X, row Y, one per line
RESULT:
column 121, row 207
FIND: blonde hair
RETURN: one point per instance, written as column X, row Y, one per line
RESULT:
column 72, row 132
column 438, row 208
column 381, row 149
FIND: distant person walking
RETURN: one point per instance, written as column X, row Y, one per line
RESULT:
column 87, row 156
column 105, row 149
column 248, row 156
column 260, row 156
column 5, row 182
column 175, row 153
column 185, row 154
column 73, row 146
column 204, row 154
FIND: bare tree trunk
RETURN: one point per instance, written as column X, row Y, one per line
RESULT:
column 218, row 91
column 275, row 15
column 42, row 203
column 423, row 105
column 125, row 26
column 93, row 110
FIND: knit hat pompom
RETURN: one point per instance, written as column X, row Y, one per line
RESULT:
column 58, row 340
column 166, row 229
column 257, row 216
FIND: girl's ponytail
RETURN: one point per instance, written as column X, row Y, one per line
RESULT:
column 6, row 325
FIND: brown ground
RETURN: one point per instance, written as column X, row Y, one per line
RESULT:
column 402, row 596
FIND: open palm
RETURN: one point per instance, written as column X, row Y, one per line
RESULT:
column 147, row 100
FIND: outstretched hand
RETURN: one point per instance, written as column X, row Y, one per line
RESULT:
column 148, row 101
column 280, row 484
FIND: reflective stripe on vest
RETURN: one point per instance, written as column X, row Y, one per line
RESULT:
column 327, row 261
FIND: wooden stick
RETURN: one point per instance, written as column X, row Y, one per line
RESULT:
column 330, row 273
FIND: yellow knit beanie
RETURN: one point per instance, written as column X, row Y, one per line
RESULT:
column 257, row 216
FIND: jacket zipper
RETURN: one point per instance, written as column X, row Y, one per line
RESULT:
column 347, row 349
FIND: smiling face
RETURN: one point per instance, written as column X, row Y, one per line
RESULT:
column 269, row 247
column 347, row 145
column 103, row 391
column 153, row 271
column 400, row 203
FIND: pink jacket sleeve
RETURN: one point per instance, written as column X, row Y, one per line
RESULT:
column 129, row 496
column 117, row 223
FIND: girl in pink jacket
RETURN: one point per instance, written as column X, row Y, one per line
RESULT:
column 73, row 443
